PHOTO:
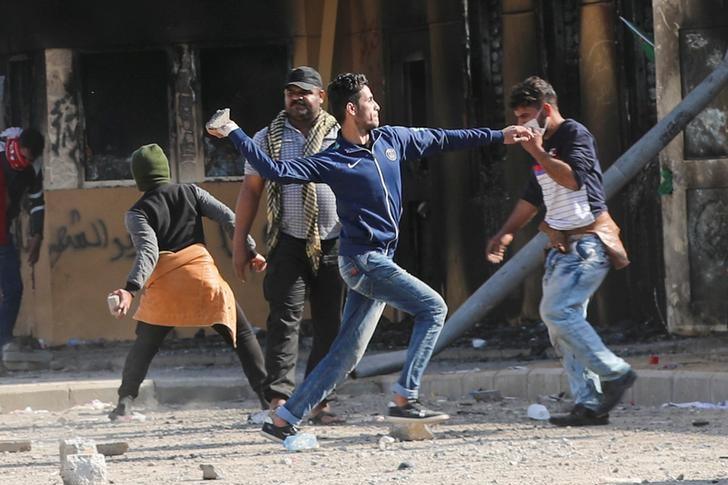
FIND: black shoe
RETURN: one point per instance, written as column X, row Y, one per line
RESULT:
column 123, row 408
column 414, row 412
column 612, row 391
column 580, row 416
column 278, row 433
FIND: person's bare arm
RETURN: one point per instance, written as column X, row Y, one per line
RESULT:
column 559, row 171
column 246, row 209
column 520, row 216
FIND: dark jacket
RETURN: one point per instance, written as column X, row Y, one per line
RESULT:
column 366, row 181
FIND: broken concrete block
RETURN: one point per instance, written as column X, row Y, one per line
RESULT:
column 14, row 446
column 76, row 446
column 385, row 441
column 113, row 449
column 487, row 395
column 411, row 432
column 209, row 472
column 84, row 470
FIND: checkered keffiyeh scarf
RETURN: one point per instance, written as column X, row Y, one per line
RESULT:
column 324, row 123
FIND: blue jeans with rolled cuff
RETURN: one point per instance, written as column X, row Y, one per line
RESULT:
column 569, row 281
column 373, row 280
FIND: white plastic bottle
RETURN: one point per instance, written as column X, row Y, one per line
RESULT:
column 300, row 442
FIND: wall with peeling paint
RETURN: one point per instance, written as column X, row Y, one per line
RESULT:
column 87, row 253
column 469, row 53
column 695, row 213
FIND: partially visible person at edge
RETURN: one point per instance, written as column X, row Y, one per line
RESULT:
column 583, row 244
column 182, row 285
column 302, row 236
column 20, row 175
column 363, row 169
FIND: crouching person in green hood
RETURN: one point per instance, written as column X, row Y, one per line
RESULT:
column 181, row 284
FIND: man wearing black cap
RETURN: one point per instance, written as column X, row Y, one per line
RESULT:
column 302, row 237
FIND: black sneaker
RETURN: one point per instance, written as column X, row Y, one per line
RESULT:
column 612, row 391
column 580, row 416
column 278, row 433
column 123, row 408
column 414, row 412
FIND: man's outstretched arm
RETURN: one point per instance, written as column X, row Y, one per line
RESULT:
column 294, row 171
column 420, row 142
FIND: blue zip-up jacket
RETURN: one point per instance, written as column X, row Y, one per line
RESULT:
column 367, row 182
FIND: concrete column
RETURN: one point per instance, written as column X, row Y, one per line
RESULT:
column 362, row 51
column 62, row 168
column 668, row 15
column 457, row 220
column 328, row 37
column 186, row 150
column 600, row 112
column 598, row 77
column 300, row 32
column 520, row 60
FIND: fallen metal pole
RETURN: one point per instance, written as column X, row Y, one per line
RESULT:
column 508, row 277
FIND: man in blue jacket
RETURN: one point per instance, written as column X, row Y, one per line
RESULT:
column 363, row 169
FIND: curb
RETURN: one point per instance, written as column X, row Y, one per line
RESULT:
column 653, row 388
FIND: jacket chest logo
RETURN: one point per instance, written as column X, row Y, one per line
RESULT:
column 391, row 154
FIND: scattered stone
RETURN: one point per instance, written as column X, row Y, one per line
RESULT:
column 76, row 446
column 405, row 465
column 14, row 446
column 487, row 395
column 94, row 405
column 680, row 477
column 385, row 441
column 411, row 432
column 84, row 470
column 113, row 449
column 259, row 417
column 209, row 472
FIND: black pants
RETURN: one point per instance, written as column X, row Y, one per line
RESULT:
column 289, row 275
column 150, row 337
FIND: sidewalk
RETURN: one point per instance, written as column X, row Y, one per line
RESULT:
column 688, row 370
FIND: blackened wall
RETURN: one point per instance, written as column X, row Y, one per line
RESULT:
column 88, row 24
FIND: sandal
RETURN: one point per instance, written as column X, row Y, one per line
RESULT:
column 326, row 418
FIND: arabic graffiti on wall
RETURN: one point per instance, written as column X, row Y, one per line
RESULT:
column 79, row 235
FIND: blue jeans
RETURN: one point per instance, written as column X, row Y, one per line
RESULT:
column 373, row 280
column 569, row 281
column 11, row 290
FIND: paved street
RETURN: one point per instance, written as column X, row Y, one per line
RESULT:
column 483, row 443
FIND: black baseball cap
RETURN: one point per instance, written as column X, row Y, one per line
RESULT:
column 305, row 77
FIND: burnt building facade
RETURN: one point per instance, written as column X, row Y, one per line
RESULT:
column 102, row 78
